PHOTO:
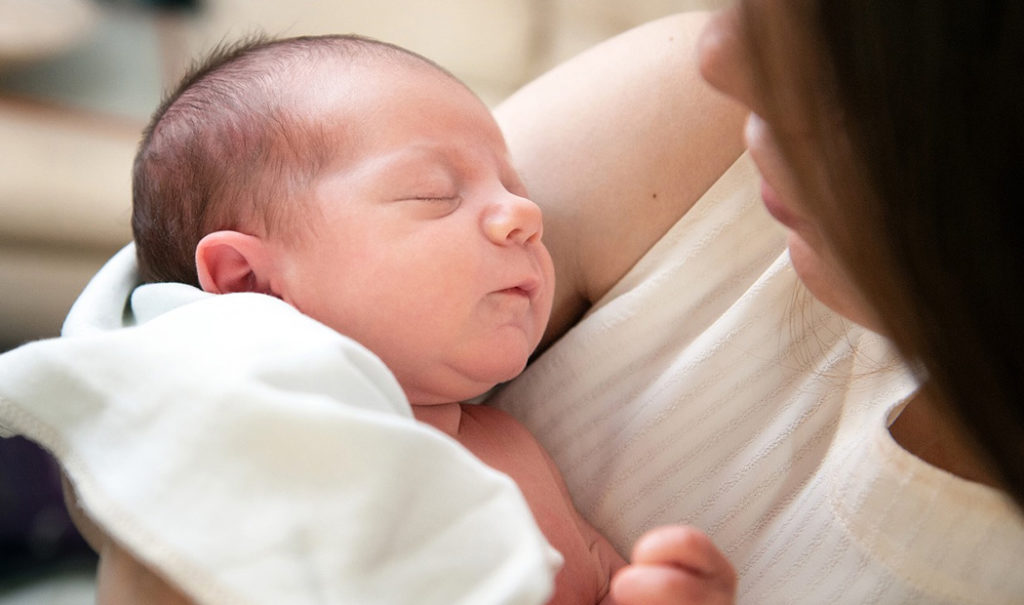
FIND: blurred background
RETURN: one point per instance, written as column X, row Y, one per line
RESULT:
column 78, row 80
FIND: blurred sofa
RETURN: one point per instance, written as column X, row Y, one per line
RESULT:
column 78, row 79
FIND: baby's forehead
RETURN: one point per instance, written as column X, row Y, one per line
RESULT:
column 382, row 92
column 348, row 89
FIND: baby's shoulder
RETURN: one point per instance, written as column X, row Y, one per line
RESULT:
column 487, row 419
column 497, row 438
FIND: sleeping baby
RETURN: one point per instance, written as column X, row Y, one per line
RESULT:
column 371, row 190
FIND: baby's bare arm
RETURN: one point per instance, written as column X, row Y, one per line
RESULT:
column 615, row 145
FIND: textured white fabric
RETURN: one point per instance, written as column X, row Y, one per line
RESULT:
column 255, row 456
column 708, row 388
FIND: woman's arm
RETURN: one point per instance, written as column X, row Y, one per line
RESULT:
column 121, row 579
column 615, row 145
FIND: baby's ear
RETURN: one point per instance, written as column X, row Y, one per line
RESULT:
column 230, row 261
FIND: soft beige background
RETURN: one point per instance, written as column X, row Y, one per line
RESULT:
column 78, row 79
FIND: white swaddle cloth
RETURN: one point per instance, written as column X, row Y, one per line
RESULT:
column 255, row 456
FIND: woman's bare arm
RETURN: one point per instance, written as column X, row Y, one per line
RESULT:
column 615, row 145
column 121, row 579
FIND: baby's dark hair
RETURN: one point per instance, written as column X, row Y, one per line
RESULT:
column 230, row 144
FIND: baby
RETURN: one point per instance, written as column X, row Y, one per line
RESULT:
column 370, row 189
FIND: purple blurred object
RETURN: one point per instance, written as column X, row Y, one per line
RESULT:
column 36, row 531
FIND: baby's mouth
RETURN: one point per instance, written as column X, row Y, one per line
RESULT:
column 516, row 291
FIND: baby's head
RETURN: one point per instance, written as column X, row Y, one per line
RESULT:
column 235, row 142
column 363, row 185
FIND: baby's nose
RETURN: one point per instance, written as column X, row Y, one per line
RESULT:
column 513, row 220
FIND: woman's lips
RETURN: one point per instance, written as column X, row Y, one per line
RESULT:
column 775, row 207
column 761, row 144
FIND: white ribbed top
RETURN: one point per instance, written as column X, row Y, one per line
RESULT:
column 707, row 387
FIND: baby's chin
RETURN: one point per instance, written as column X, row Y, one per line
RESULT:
column 465, row 395
column 463, row 386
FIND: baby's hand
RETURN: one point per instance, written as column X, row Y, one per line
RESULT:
column 675, row 565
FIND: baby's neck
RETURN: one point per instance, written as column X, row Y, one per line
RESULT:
column 445, row 417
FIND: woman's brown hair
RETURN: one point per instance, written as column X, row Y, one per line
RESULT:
column 916, row 110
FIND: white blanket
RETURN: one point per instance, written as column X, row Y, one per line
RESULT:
column 253, row 455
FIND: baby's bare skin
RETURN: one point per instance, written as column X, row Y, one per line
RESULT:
column 504, row 444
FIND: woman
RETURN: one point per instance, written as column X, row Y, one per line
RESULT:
column 918, row 162
column 921, row 168
column 887, row 137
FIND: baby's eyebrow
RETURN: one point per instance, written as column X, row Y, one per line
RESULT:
column 424, row 149
column 388, row 162
column 412, row 156
column 448, row 160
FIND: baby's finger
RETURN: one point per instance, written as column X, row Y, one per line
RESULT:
column 664, row 585
column 687, row 548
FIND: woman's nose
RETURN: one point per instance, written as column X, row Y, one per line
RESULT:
column 512, row 219
column 723, row 57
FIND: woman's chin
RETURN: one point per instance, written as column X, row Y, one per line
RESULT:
column 824, row 279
